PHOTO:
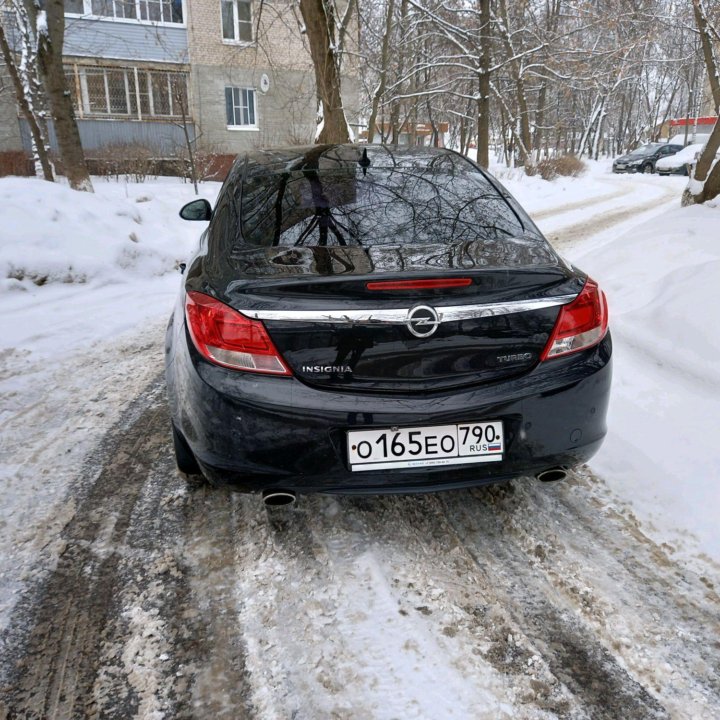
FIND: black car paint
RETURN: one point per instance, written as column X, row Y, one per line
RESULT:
column 255, row 432
column 621, row 164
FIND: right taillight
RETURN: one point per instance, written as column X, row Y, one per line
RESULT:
column 228, row 338
column 580, row 324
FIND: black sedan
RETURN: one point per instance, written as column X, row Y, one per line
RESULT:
column 643, row 159
column 370, row 320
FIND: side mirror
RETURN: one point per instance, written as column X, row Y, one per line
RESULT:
column 196, row 210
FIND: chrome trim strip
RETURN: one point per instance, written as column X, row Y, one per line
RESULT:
column 399, row 316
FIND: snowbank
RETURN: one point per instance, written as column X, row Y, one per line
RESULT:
column 51, row 234
column 541, row 196
column 662, row 451
column 661, row 278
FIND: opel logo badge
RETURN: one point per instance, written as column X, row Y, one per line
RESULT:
column 422, row 321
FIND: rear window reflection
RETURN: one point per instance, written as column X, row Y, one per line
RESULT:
column 339, row 202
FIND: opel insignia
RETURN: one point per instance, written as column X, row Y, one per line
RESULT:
column 380, row 319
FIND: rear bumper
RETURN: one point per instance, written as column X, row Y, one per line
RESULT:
column 255, row 432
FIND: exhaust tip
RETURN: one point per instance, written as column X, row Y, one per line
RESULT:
column 278, row 498
column 552, row 475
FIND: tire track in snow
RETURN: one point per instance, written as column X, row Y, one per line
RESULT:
column 517, row 601
column 566, row 237
column 115, row 630
column 553, row 663
column 328, row 633
column 573, row 549
column 580, row 204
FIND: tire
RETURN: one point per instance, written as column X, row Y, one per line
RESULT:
column 647, row 168
column 184, row 458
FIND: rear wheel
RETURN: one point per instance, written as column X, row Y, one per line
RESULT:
column 184, row 457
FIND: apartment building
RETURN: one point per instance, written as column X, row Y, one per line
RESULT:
column 235, row 73
column 252, row 78
column 127, row 67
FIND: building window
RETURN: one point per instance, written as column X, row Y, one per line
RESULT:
column 156, row 11
column 133, row 93
column 236, row 20
column 240, row 107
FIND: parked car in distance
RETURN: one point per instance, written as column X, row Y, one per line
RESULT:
column 678, row 163
column 643, row 159
column 372, row 319
column 693, row 138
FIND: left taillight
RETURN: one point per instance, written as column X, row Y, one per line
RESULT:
column 580, row 324
column 228, row 338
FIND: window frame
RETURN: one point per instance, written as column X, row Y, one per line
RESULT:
column 89, row 15
column 137, row 99
column 240, row 89
column 236, row 24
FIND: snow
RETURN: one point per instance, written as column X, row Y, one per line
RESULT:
column 64, row 343
column 108, row 263
column 41, row 24
column 685, row 156
column 693, row 137
column 320, row 120
column 78, row 348
column 661, row 452
column 52, row 234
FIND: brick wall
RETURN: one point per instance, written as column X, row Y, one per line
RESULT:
column 278, row 43
column 286, row 112
column 10, row 139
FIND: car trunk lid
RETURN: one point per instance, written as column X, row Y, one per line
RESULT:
column 341, row 324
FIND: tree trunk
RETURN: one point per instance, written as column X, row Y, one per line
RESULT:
column 483, row 102
column 540, row 121
column 384, row 54
column 24, row 105
column 394, row 131
column 707, row 47
column 319, row 20
column 705, row 185
column 524, row 120
column 49, row 26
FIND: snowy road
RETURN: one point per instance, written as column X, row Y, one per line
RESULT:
column 141, row 597
column 567, row 226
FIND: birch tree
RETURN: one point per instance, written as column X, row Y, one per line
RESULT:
column 25, row 83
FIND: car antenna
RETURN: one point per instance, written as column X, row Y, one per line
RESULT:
column 364, row 162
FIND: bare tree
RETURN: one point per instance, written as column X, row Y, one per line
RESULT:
column 49, row 25
column 563, row 76
column 322, row 31
column 705, row 176
column 179, row 91
column 708, row 35
column 383, row 69
column 23, row 77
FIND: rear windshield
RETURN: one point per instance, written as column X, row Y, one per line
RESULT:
column 341, row 198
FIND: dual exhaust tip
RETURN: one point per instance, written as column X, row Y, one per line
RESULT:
column 288, row 498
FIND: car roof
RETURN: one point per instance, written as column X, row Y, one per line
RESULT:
column 296, row 157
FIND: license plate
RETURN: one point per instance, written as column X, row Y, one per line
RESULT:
column 425, row 446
